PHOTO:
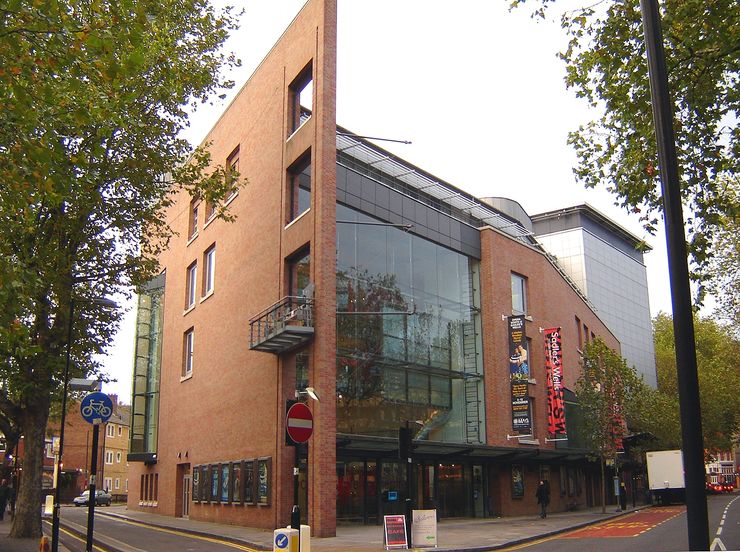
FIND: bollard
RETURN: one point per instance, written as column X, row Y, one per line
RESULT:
column 305, row 538
column 285, row 540
column 44, row 545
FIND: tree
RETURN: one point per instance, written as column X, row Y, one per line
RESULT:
column 608, row 392
column 93, row 96
column 724, row 267
column 606, row 65
column 718, row 366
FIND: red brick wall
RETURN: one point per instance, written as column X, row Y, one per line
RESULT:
column 233, row 405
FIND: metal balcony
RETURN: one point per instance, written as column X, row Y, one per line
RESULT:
column 281, row 327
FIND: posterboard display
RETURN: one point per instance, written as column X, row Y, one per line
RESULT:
column 394, row 531
column 424, row 528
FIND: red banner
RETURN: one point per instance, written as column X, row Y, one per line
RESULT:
column 554, row 373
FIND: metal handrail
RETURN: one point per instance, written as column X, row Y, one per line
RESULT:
column 289, row 311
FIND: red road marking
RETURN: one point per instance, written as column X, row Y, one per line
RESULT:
column 629, row 525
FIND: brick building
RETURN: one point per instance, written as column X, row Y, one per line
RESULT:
column 394, row 295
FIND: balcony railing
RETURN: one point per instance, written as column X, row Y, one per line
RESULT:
column 283, row 326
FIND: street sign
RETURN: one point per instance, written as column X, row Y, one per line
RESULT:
column 299, row 423
column 96, row 408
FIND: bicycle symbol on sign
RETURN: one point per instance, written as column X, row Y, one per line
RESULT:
column 97, row 407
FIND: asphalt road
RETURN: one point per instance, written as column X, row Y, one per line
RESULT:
column 657, row 529
column 132, row 537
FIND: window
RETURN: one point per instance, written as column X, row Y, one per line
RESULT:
column 232, row 162
column 118, row 457
column 117, row 484
column 518, row 294
column 108, row 456
column 248, row 477
column 190, row 285
column 193, row 219
column 209, row 270
column 299, row 183
column 580, row 333
column 187, row 365
column 108, row 483
column 300, row 96
column 120, row 430
column 125, row 485
column 110, row 430
column 299, row 270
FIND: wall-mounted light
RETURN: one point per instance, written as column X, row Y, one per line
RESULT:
column 310, row 391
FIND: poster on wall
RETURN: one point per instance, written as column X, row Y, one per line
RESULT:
column 517, row 481
column 554, row 375
column 521, row 419
column 518, row 357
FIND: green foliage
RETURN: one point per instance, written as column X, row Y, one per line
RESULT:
column 718, row 366
column 608, row 394
column 93, row 97
column 606, row 65
column 724, row 267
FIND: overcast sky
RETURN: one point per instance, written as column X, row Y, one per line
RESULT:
column 477, row 90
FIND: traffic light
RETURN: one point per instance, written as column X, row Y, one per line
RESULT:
column 404, row 443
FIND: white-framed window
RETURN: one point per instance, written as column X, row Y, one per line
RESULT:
column 108, row 483
column 209, row 270
column 49, row 449
column 120, row 430
column 118, row 457
column 193, row 219
column 110, row 430
column 117, row 484
column 188, row 350
column 191, row 285
column 518, row 294
column 108, row 456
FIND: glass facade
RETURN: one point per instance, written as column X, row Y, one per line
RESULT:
column 147, row 366
column 407, row 333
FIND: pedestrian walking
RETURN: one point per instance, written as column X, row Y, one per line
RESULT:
column 4, row 496
column 543, row 497
column 622, row 496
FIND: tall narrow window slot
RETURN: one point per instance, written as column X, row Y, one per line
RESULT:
column 209, row 270
column 190, row 285
column 299, row 182
column 300, row 96
column 188, row 351
column 518, row 294
column 193, row 219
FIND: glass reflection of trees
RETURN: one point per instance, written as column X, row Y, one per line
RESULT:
column 404, row 308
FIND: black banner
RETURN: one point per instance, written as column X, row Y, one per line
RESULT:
column 521, row 418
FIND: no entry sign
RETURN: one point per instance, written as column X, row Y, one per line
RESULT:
column 299, row 423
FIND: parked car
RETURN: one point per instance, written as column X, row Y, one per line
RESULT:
column 102, row 498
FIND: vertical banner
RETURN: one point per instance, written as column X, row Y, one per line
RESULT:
column 521, row 419
column 554, row 373
column 518, row 361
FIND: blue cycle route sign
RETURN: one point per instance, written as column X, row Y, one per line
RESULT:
column 96, row 408
column 281, row 540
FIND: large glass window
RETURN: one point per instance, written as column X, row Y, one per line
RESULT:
column 406, row 334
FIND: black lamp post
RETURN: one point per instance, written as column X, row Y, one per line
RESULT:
column 89, row 386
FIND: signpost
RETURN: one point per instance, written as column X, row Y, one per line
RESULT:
column 299, row 428
column 394, row 532
column 299, row 424
column 96, row 409
column 424, row 528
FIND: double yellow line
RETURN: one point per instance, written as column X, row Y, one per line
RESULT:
column 165, row 530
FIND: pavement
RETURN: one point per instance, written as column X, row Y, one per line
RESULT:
column 453, row 535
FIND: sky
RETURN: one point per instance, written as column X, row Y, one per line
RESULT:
column 478, row 90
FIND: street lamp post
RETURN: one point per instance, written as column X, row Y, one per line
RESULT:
column 81, row 385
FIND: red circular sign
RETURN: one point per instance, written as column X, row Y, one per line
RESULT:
column 299, row 423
